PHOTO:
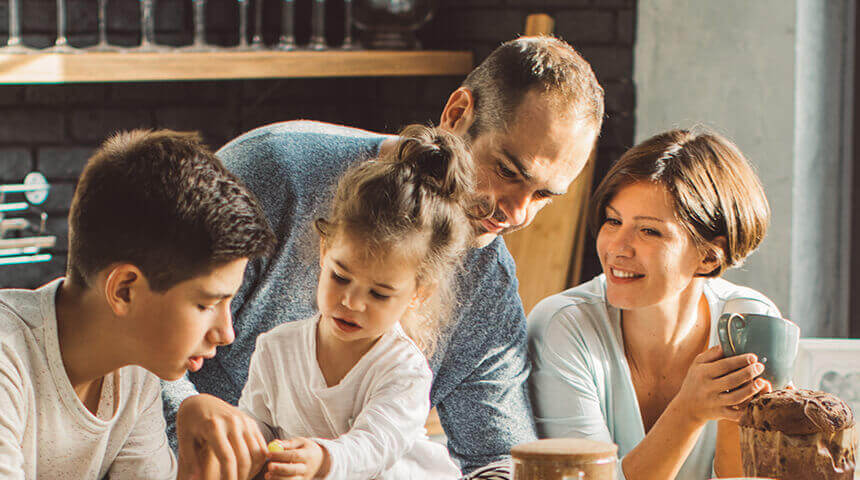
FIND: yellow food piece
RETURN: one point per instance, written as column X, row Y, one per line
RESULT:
column 275, row 446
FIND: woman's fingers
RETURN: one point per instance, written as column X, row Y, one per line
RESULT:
column 742, row 394
column 733, row 414
column 728, row 365
column 710, row 355
column 739, row 377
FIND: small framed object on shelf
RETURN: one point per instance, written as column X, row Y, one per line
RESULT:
column 831, row 365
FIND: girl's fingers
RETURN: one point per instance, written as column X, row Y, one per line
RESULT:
column 287, row 469
column 739, row 377
column 287, row 456
column 271, row 476
column 292, row 443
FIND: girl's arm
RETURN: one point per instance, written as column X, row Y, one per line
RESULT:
column 386, row 428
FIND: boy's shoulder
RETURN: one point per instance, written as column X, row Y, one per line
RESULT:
column 21, row 312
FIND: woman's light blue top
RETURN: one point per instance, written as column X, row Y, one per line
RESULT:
column 580, row 381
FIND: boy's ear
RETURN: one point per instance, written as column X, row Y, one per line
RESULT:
column 122, row 285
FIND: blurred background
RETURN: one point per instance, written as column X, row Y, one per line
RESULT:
column 775, row 76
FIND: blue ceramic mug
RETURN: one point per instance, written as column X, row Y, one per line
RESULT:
column 774, row 340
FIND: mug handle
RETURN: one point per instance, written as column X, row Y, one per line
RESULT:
column 726, row 333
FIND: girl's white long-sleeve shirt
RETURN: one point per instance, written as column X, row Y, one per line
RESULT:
column 371, row 423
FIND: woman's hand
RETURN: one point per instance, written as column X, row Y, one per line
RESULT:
column 715, row 386
column 300, row 459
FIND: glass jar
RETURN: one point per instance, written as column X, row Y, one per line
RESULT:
column 565, row 459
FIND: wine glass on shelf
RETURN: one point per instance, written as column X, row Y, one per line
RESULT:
column 61, row 44
column 103, row 45
column 147, row 29
column 243, row 45
column 257, row 40
column 317, row 25
column 15, row 44
column 288, row 37
column 348, row 41
column 199, row 44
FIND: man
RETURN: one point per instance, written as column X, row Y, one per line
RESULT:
column 530, row 113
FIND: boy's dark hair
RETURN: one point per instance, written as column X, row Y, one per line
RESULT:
column 526, row 64
column 163, row 202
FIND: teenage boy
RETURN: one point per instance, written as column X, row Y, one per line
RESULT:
column 531, row 112
column 159, row 237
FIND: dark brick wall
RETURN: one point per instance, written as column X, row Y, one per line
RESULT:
column 53, row 129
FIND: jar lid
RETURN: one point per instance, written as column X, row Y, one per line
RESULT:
column 560, row 449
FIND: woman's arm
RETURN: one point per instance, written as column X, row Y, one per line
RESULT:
column 712, row 387
column 727, row 458
column 567, row 400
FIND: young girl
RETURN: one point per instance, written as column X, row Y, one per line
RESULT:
column 632, row 356
column 347, row 391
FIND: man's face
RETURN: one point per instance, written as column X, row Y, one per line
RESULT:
column 519, row 171
column 179, row 328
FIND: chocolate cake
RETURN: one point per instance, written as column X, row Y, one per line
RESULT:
column 798, row 435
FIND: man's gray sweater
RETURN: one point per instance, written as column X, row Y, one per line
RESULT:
column 480, row 367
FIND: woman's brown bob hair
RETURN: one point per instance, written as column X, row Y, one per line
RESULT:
column 715, row 191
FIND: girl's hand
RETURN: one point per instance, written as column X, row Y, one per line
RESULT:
column 716, row 386
column 300, row 459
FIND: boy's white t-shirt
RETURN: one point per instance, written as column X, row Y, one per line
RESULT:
column 371, row 423
column 45, row 430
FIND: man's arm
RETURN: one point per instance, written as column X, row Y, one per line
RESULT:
column 489, row 411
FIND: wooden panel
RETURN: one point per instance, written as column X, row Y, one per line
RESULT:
column 124, row 67
column 548, row 253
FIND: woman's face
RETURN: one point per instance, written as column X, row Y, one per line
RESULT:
column 646, row 254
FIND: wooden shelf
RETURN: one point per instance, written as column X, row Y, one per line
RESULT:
column 94, row 67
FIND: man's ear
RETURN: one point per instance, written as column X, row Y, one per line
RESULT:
column 459, row 112
column 122, row 285
column 713, row 257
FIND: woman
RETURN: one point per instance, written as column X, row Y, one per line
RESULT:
column 632, row 356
